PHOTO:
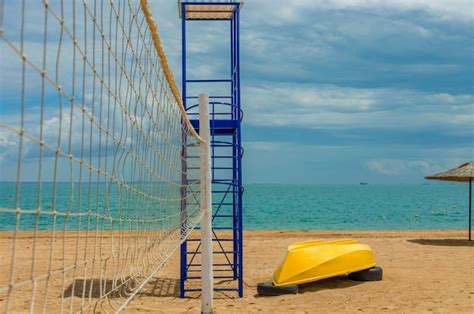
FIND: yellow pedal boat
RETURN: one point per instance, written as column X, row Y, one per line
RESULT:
column 315, row 260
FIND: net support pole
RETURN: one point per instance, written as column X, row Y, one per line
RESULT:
column 207, row 280
column 470, row 209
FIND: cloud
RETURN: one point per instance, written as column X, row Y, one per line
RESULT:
column 61, row 131
column 329, row 106
column 279, row 146
column 285, row 11
column 433, row 161
column 306, row 162
column 8, row 146
column 328, row 86
column 127, row 142
column 370, row 47
column 397, row 167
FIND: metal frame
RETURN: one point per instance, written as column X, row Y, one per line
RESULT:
column 225, row 124
column 470, row 210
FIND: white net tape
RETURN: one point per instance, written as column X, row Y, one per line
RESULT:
column 99, row 167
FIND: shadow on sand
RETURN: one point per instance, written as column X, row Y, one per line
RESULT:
column 340, row 282
column 218, row 295
column 162, row 287
column 443, row 242
column 158, row 287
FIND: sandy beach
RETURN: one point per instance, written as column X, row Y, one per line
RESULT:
column 424, row 271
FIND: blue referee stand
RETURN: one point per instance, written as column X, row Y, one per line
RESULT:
column 226, row 150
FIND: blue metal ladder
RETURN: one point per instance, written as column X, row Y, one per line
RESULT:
column 226, row 155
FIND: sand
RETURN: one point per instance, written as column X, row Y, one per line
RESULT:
column 424, row 271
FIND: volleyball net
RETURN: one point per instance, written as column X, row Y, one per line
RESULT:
column 100, row 168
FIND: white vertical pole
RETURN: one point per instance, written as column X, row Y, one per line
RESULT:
column 207, row 277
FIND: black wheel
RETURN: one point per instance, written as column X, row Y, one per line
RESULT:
column 268, row 288
column 371, row 274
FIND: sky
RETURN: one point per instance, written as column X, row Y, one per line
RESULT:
column 347, row 91
column 339, row 91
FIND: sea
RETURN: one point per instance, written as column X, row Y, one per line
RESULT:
column 356, row 207
column 310, row 207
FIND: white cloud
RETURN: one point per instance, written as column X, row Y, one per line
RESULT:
column 286, row 11
column 8, row 146
column 326, row 106
column 266, row 146
column 54, row 126
column 434, row 160
column 397, row 167
column 308, row 163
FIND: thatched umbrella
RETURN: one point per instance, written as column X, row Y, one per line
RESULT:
column 463, row 173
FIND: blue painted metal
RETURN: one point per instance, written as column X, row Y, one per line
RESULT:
column 208, row 81
column 184, row 244
column 226, row 152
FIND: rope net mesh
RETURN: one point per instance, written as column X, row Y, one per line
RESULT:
column 99, row 166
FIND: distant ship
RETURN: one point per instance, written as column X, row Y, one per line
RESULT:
column 363, row 183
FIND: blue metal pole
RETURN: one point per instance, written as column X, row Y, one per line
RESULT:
column 231, row 59
column 183, row 53
column 470, row 208
column 183, row 259
column 235, row 200
column 240, row 281
column 234, row 155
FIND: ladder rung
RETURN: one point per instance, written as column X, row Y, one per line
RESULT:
column 215, row 289
column 222, row 192
column 217, row 252
column 224, row 180
column 223, row 145
column 216, row 264
column 220, row 240
column 198, row 270
column 223, row 157
column 219, row 228
column 215, row 277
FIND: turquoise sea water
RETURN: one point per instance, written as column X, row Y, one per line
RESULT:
column 324, row 207
column 369, row 207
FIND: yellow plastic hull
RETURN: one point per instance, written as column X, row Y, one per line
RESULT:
column 315, row 260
